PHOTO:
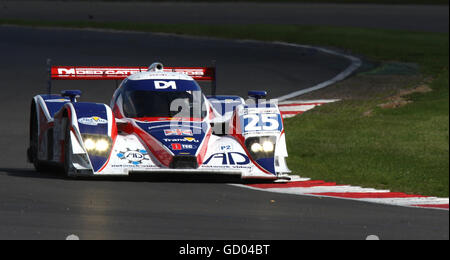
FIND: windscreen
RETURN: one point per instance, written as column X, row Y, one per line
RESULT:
column 182, row 104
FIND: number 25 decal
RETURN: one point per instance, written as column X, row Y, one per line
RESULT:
column 270, row 122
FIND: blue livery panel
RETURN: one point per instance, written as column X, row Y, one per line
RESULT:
column 171, row 85
column 180, row 139
column 92, row 118
column 54, row 103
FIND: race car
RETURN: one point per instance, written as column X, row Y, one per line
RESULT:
column 159, row 121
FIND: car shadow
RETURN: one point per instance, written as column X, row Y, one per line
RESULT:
column 151, row 177
column 31, row 173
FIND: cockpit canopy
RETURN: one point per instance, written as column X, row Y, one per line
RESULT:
column 151, row 98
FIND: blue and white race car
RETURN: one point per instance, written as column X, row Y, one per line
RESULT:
column 159, row 120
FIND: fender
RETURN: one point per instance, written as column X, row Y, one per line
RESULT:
column 45, row 107
column 86, row 119
column 251, row 123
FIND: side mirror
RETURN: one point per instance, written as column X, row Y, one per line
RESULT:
column 257, row 94
column 72, row 94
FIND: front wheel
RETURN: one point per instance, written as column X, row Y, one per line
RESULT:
column 67, row 150
column 32, row 152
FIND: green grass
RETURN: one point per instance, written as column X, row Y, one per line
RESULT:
column 404, row 149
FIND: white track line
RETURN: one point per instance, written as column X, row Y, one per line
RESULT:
column 355, row 61
column 355, row 64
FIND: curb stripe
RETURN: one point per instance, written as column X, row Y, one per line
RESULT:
column 319, row 188
column 300, row 104
column 290, row 109
column 291, row 113
column 292, row 184
column 430, row 201
column 442, row 206
column 367, row 195
column 296, row 108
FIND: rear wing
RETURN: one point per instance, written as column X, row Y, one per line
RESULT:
column 120, row 73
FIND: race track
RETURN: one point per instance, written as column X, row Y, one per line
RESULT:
column 432, row 18
column 45, row 206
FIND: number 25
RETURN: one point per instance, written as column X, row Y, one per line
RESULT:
column 270, row 122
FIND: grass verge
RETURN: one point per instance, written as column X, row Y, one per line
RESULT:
column 404, row 149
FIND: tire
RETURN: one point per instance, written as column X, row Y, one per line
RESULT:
column 67, row 149
column 32, row 152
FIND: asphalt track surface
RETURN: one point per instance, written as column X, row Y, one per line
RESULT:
column 45, row 206
column 430, row 18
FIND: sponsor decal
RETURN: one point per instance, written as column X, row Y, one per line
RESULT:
column 97, row 71
column 262, row 122
column 159, row 84
column 132, row 166
column 226, row 147
column 93, row 121
column 180, row 140
column 230, row 158
column 118, row 72
column 190, row 72
column 190, row 139
column 135, row 157
column 229, row 101
column 60, row 100
column 188, row 146
column 170, row 132
column 178, row 147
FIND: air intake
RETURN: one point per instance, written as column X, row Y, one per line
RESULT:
column 184, row 162
column 157, row 66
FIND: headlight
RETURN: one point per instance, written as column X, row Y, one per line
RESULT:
column 97, row 144
column 268, row 146
column 261, row 147
column 256, row 147
column 102, row 145
column 90, row 144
